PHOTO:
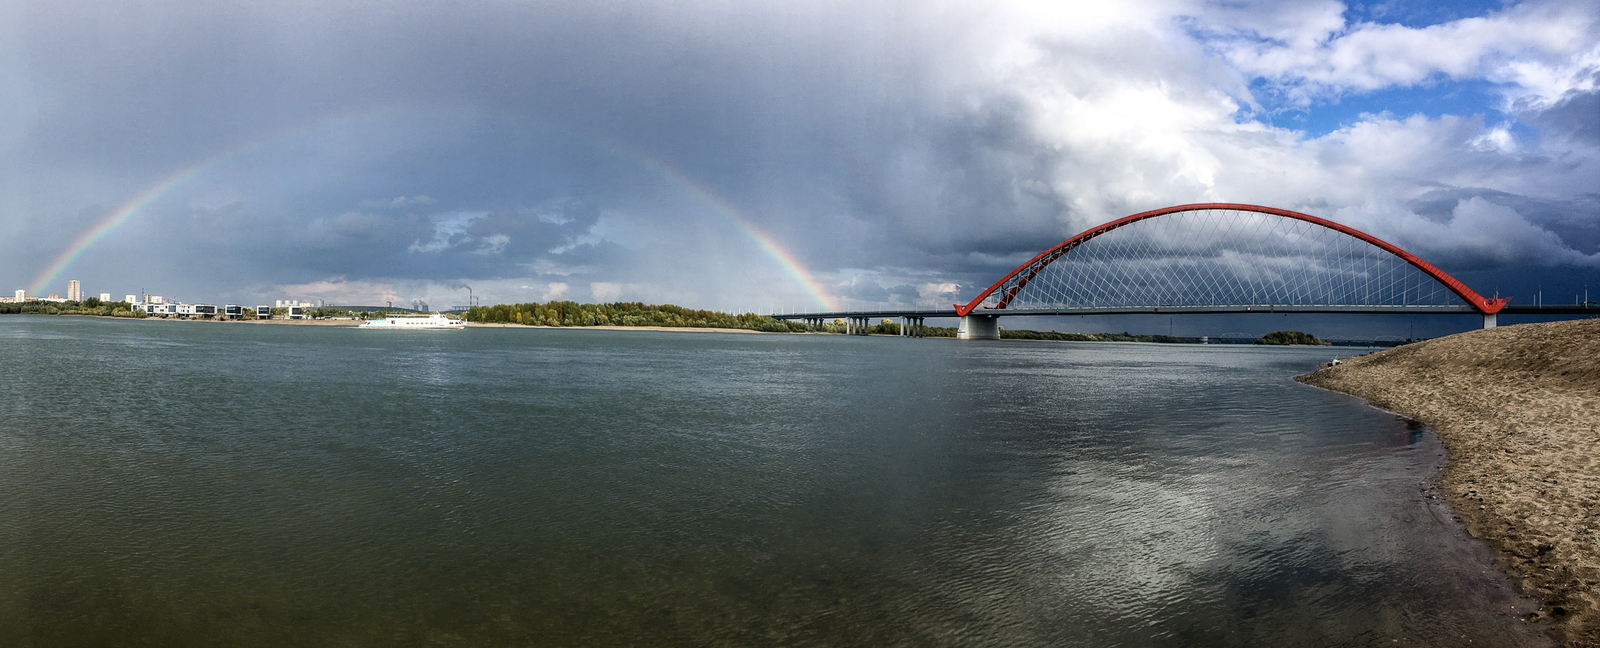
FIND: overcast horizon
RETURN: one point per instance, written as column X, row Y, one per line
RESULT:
column 753, row 156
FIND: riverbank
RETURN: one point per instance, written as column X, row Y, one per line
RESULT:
column 617, row 328
column 1518, row 409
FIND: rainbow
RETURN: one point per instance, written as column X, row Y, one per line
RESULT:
column 150, row 194
column 117, row 217
column 726, row 209
column 143, row 199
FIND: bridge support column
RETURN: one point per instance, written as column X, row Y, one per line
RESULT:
column 979, row 327
column 1488, row 320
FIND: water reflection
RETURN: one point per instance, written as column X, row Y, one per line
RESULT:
column 294, row 485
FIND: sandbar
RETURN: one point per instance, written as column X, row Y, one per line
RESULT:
column 1518, row 411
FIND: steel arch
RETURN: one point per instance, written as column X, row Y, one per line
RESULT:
column 1029, row 270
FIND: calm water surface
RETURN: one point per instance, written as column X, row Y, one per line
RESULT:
column 173, row 484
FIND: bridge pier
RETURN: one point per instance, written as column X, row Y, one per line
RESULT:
column 979, row 327
column 1488, row 320
column 910, row 326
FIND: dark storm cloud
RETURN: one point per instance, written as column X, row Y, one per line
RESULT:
column 1576, row 117
column 1575, row 221
column 533, row 96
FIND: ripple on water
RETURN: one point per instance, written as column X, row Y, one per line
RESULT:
column 304, row 485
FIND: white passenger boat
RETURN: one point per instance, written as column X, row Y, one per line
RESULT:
column 432, row 321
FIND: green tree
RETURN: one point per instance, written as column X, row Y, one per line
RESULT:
column 1290, row 337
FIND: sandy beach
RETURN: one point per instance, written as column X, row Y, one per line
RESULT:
column 1518, row 409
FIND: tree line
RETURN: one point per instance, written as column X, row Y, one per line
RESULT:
column 90, row 306
column 569, row 313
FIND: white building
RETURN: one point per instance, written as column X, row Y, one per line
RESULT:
column 131, row 299
column 74, row 290
column 22, row 295
column 105, row 297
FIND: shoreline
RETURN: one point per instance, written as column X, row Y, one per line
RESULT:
column 1518, row 411
column 354, row 323
column 626, row 328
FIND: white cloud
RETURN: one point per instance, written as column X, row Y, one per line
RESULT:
column 492, row 244
column 1489, row 233
column 339, row 290
column 1114, row 122
column 1538, row 48
column 450, row 230
column 411, row 201
column 604, row 291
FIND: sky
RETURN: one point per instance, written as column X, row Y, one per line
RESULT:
column 760, row 156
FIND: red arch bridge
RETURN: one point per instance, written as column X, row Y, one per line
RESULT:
column 1210, row 258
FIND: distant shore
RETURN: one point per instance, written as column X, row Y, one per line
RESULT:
column 1518, row 409
column 624, row 328
column 310, row 322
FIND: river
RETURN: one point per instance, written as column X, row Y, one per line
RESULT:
column 188, row 483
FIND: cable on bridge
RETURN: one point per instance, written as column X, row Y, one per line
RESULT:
column 1225, row 254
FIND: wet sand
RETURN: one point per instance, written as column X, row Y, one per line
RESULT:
column 1518, row 410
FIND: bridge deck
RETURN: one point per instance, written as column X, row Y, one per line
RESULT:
column 1460, row 309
